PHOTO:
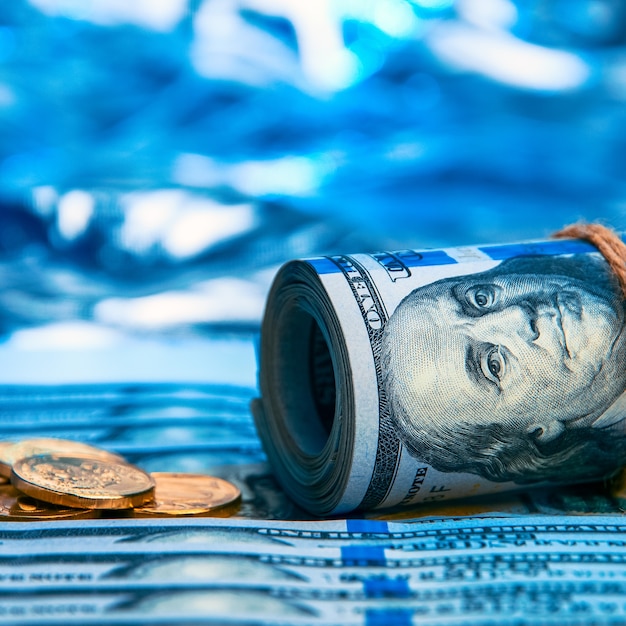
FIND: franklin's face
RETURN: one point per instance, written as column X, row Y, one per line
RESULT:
column 535, row 352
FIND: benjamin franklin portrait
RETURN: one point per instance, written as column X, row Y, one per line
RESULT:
column 514, row 374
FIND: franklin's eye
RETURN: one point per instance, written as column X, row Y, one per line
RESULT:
column 482, row 297
column 493, row 365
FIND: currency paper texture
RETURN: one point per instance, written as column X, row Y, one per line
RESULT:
column 508, row 558
column 415, row 376
column 531, row 570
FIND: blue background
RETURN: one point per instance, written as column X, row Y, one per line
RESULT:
column 159, row 160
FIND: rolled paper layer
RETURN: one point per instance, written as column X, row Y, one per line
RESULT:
column 396, row 378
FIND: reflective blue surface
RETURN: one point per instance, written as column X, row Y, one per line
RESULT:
column 159, row 160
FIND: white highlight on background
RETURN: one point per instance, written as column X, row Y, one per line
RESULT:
column 70, row 335
column 291, row 175
column 218, row 300
column 74, row 212
column 85, row 352
column 159, row 15
column 488, row 14
column 323, row 64
column 182, row 224
column 507, row 59
column 325, row 61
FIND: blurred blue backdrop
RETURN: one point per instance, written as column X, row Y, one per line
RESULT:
column 160, row 158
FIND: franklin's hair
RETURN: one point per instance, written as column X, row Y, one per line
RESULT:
column 503, row 452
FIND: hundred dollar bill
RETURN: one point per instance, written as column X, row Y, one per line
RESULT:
column 513, row 604
column 303, row 542
column 524, row 570
column 416, row 376
column 390, row 604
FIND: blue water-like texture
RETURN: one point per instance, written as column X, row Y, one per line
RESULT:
column 159, row 160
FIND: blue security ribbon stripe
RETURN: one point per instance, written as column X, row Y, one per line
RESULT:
column 388, row 617
column 413, row 258
column 386, row 588
column 323, row 265
column 363, row 555
column 550, row 248
column 501, row 252
column 366, row 526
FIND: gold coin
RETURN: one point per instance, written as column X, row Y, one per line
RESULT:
column 188, row 494
column 82, row 482
column 5, row 466
column 17, row 507
column 15, row 451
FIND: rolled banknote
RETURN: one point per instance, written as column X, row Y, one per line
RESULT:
column 421, row 375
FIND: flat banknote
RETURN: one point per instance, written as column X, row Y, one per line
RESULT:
column 134, row 417
column 393, row 379
column 554, row 604
column 523, row 570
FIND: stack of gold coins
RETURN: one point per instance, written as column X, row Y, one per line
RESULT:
column 46, row 479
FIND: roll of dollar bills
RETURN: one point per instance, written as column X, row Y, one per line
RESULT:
column 415, row 376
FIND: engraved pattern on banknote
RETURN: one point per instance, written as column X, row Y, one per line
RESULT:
column 374, row 315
